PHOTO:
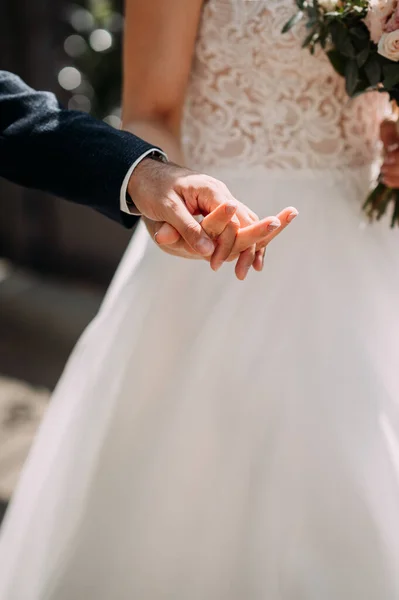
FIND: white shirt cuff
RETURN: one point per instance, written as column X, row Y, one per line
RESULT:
column 123, row 201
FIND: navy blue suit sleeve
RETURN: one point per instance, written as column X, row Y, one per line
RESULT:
column 66, row 153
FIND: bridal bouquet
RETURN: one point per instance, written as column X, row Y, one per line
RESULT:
column 361, row 40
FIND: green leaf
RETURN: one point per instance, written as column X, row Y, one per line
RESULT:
column 372, row 68
column 351, row 76
column 341, row 39
column 386, row 197
column 391, row 76
column 395, row 214
column 373, row 197
column 362, row 56
column 393, row 94
column 309, row 38
column 293, row 21
column 360, row 32
column 337, row 61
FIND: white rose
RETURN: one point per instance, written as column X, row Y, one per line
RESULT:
column 329, row 5
column 388, row 45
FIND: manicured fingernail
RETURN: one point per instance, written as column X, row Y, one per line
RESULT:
column 292, row 216
column 205, row 246
column 231, row 209
column 392, row 147
column 273, row 225
column 216, row 266
column 155, row 237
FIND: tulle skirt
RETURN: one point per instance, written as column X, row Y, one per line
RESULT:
column 218, row 440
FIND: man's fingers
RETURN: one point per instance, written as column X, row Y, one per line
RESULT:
column 166, row 234
column 245, row 262
column 222, row 226
column 225, row 245
column 216, row 222
column 176, row 214
column 206, row 194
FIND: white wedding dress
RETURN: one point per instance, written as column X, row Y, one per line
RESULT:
column 218, row 440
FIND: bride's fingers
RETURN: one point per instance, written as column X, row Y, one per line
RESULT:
column 216, row 222
column 389, row 134
column 255, row 233
column 164, row 234
column 259, row 259
column 224, row 245
column 222, row 225
column 245, row 215
column 286, row 217
column 390, row 169
column 245, row 262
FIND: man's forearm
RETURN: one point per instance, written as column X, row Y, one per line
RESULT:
column 66, row 153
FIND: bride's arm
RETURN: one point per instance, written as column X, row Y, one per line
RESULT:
column 159, row 43
column 158, row 49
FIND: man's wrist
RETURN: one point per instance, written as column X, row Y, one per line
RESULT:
column 127, row 196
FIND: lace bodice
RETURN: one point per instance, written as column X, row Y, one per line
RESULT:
column 255, row 98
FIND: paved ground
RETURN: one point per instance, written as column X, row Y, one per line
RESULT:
column 21, row 410
column 40, row 321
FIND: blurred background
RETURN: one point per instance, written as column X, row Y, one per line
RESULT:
column 56, row 259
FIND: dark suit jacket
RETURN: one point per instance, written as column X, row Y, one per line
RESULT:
column 66, row 153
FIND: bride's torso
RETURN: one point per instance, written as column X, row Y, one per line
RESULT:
column 256, row 99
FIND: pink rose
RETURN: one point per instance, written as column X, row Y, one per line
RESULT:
column 380, row 12
column 393, row 22
column 388, row 45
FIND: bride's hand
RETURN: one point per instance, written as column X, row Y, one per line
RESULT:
column 390, row 167
column 251, row 241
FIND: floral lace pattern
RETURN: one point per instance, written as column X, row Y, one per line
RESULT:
column 255, row 96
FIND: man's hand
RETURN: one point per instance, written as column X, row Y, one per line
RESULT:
column 164, row 192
